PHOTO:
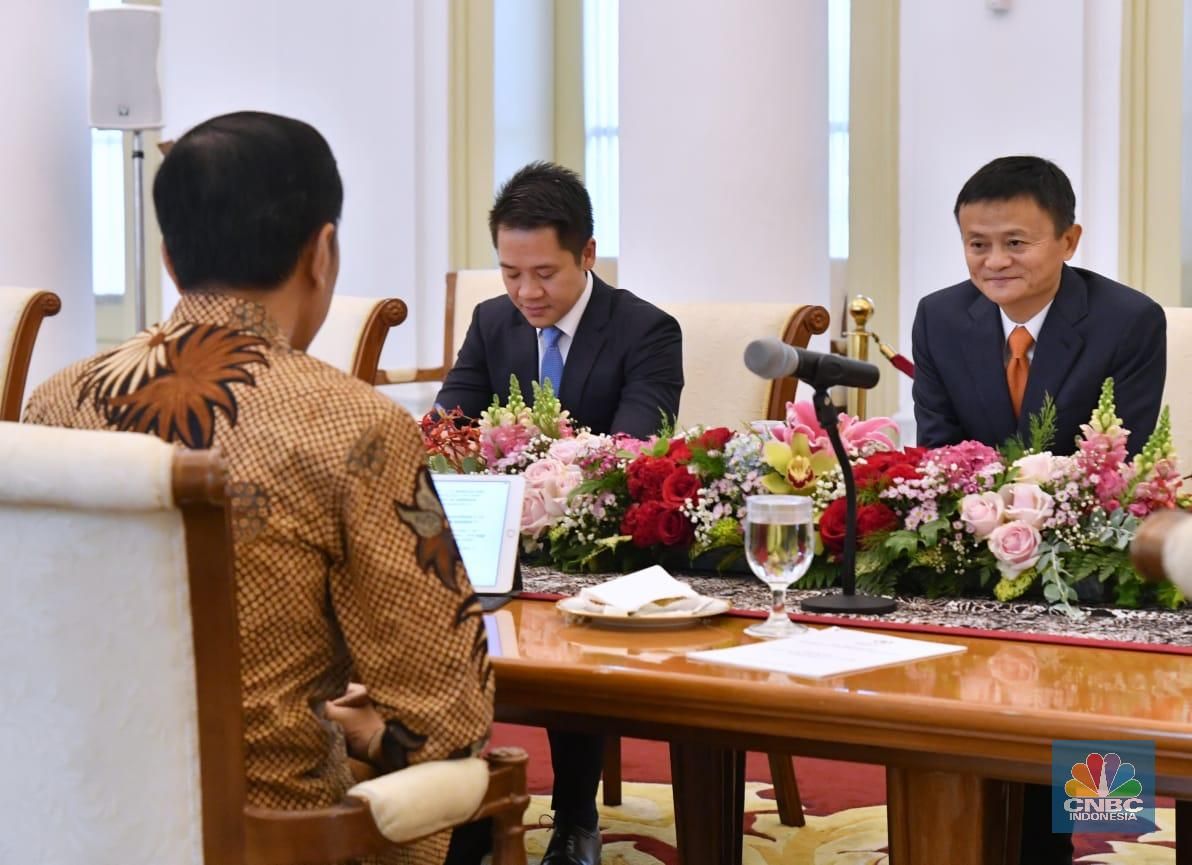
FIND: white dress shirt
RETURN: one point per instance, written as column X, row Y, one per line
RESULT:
column 569, row 323
column 1033, row 325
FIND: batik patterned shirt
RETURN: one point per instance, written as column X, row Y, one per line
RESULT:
column 345, row 566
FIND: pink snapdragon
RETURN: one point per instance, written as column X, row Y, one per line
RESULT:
column 1158, row 491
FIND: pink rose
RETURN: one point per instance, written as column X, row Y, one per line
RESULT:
column 1027, row 502
column 538, row 474
column 534, row 516
column 1035, row 468
column 566, row 450
column 982, row 513
column 1015, row 545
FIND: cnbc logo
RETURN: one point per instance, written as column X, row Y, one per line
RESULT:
column 1103, row 786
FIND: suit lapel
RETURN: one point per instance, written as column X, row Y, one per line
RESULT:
column 523, row 345
column 589, row 339
column 1058, row 347
column 983, row 347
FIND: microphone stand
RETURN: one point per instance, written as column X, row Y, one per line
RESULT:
column 848, row 601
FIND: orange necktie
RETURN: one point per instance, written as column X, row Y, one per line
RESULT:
column 1019, row 366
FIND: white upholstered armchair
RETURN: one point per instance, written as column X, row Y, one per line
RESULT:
column 352, row 337
column 21, row 312
column 121, row 735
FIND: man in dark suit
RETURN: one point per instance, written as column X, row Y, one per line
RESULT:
column 1024, row 325
column 1017, row 221
column 616, row 363
column 622, row 357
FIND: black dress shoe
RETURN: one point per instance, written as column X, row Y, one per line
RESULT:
column 572, row 845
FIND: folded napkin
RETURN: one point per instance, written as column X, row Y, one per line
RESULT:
column 643, row 593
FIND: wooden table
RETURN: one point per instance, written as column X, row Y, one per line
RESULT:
column 958, row 734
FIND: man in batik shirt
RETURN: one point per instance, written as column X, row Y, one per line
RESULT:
column 345, row 565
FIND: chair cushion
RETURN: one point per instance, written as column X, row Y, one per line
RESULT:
column 98, row 736
column 426, row 798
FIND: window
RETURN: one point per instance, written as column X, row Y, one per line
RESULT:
column 601, row 125
column 838, row 143
column 107, row 203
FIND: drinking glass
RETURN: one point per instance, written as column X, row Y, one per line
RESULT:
column 779, row 546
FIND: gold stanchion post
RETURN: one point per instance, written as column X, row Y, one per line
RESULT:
column 860, row 310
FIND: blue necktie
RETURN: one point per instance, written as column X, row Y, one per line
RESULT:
column 552, row 359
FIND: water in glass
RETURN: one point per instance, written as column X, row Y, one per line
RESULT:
column 779, row 546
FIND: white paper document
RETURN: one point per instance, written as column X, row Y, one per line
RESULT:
column 818, row 654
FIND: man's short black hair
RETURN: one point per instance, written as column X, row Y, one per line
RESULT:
column 545, row 194
column 1010, row 177
column 239, row 196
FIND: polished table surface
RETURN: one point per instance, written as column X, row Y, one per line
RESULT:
column 950, row 723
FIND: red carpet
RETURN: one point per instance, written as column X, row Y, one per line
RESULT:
column 826, row 787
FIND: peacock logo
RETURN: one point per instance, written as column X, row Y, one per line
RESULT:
column 1103, row 776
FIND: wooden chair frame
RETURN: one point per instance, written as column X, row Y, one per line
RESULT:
column 234, row 832
column 41, row 305
column 366, row 363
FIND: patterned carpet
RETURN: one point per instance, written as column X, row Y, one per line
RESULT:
column 642, row 832
column 843, row 804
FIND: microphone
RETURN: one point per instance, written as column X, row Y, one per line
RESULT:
column 773, row 358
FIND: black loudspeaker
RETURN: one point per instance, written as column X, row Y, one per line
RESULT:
column 125, row 89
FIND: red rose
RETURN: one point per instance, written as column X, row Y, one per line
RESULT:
column 680, row 486
column 645, row 476
column 915, row 455
column 641, row 522
column 714, row 439
column 831, row 526
column 866, row 475
column 674, row 529
column 875, row 518
column 679, row 452
column 899, row 472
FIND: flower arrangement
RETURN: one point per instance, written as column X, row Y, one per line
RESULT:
column 970, row 519
column 959, row 520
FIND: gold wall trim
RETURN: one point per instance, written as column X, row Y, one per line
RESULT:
column 1152, row 75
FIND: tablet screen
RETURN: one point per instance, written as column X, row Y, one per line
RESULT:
column 485, row 516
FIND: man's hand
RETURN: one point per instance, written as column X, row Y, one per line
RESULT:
column 361, row 722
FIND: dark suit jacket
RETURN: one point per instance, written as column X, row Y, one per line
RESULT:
column 1096, row 329
column 624, row 367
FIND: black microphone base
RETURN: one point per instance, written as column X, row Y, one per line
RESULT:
column 868, row 604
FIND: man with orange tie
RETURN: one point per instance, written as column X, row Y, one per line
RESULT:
column 1026, row 324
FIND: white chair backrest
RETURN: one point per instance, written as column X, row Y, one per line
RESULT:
column 472, row 287
column 1176, row 392
column 98, row 737
column 717, row 389
column 339, row 337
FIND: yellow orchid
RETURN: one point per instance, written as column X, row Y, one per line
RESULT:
column 796, row 468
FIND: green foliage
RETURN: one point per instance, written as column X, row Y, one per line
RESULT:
column 1169, row 596
column 666, row 427
column 1043, row 426
column 1009, row 588
column 1042, row 434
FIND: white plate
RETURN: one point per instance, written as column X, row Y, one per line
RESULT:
column 576, row 608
